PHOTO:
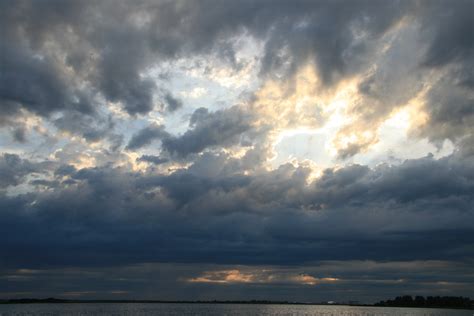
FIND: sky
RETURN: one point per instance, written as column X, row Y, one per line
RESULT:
column 233, row 150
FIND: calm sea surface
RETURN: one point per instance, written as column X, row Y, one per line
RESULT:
column 217, row 309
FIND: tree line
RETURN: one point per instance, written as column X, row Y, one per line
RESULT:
column 430, row 301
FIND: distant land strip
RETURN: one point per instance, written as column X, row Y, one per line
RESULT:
column 453, row 302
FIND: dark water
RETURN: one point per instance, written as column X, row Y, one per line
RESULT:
column 216, row 309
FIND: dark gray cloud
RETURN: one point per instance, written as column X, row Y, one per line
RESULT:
column 405, row 212
column 157, row 160
column 91, row 128
column 14, row 169
column 450, row 110
column 450, row 101
column 34, row 84
column 32, row 78
column 326, row 33
column 172, row 103
column 105, row 51
column 220, row 128
column 64, row 170
column 448, row 26
column 45, row 183
column 19, row 134
column 146, row 136
column 119, row 81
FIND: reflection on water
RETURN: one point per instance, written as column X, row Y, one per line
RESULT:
column 216, row 309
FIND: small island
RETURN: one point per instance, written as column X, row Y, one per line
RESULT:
column 429, row 302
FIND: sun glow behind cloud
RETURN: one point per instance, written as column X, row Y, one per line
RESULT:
column 321, row 137
column 260, row 276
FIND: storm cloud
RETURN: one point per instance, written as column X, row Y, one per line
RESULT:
column 145, row 136
column 221, row 128
column 392, row 213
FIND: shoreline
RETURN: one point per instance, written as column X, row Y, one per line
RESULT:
column 251, row 302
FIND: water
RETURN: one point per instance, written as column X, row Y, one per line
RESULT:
column 216, row 310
